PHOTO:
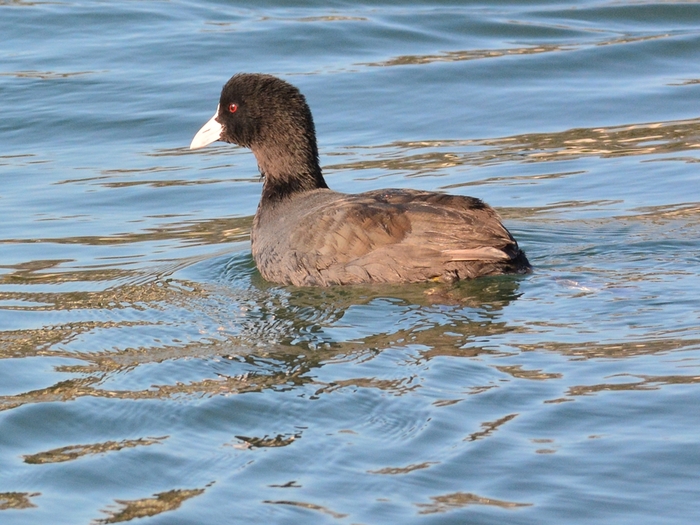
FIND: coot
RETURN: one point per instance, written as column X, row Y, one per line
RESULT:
column 306, row 234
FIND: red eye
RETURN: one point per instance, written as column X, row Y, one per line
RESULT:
column 232, row 107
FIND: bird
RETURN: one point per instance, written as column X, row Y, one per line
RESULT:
column 306, row 234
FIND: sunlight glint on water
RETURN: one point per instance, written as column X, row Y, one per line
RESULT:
column 148, row 373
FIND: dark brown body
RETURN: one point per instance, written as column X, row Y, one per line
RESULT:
column 322, row 238
column 308, row 235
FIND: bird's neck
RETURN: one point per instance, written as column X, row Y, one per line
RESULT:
column 288, row 169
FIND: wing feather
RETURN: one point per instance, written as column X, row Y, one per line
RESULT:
column 392, row 236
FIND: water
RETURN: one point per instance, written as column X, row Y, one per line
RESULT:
column 149, row 372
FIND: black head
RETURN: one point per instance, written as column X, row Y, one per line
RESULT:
column 272, row 118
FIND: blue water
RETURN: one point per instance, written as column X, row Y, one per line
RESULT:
column 149, row 374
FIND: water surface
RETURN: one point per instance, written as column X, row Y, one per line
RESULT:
column 149, row 374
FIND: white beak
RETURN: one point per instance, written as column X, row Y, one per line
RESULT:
column 210, row 132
